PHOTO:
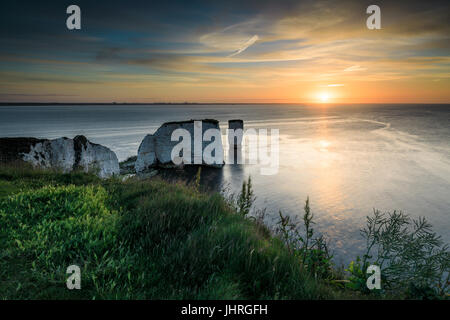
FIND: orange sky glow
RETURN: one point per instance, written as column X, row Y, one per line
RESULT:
column 310, row 52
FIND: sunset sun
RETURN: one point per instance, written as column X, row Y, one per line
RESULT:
column 324, row 97
column 185, row 150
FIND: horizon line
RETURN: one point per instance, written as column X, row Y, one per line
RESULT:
column 211, row 103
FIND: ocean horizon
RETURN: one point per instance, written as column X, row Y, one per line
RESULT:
column 349, row 159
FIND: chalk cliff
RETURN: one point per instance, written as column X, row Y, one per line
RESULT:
column 62, row 153
column 156, row 149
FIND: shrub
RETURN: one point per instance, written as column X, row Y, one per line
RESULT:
column 157, row 240
column 246, row 198
column 312, row 252
column 413, row 260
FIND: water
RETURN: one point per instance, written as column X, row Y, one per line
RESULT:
column 347, row 159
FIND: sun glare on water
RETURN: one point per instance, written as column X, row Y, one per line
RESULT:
column 324, row 144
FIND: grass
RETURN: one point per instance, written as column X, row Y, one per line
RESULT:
column 151, row 239
column 137, row 240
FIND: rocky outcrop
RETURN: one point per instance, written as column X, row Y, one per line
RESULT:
column 235, row 134
column 146, row 157
column 57, row 153
column 62, row 153
column 156, row 149
column 236, row 124
column 95, row 157
column 127, row 166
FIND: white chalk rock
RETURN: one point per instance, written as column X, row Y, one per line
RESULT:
column 95, row 158
column 235, row 133
column 58, row 153
column 156, row 150
column 62, row 153
column 146, row 154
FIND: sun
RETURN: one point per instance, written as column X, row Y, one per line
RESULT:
column 324, row 97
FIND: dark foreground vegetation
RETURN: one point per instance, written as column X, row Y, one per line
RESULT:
column 149, row 239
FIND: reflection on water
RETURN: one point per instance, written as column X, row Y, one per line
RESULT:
column 347, row 159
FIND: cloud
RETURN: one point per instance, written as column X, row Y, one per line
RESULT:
column 249, row 42
column 354, row 68
column 315, row 43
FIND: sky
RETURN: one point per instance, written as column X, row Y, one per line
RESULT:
column 225, row 51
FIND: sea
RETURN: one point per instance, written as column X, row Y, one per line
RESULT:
column 348, row 159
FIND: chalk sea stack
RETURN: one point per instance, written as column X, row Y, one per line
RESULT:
column 156, row 149
column 235, row 139
column 63, row 153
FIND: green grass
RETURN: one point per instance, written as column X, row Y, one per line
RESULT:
column 137, row 240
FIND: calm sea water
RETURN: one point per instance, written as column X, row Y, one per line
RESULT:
column 347, row 159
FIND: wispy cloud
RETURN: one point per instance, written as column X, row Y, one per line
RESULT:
column 297, row 48
column 247, row 44
column 354, row 68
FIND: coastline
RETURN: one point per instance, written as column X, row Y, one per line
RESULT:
column 157, row 240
